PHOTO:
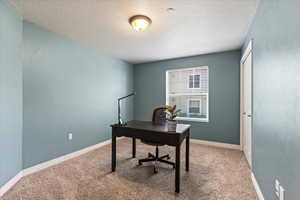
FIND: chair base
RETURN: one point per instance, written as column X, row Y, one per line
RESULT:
column 156, row 158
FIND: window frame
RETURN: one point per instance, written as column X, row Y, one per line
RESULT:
column 206, row 120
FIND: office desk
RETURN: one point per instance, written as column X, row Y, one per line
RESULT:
column 157, row 133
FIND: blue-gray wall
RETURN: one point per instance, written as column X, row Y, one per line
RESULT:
column 10, row 92
column 68, row 87
column 224, row 93
column 276, row 96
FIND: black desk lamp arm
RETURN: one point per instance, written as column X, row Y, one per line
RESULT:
column 120, row 122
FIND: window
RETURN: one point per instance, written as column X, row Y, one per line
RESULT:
column 194, row 81
column 188, row 89
column 194, row 106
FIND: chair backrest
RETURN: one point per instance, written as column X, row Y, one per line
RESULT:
column 159, row 114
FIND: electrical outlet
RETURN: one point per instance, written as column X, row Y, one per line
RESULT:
column 279, row 190
column 281, row 193
column 70, row 136
column 277, row 186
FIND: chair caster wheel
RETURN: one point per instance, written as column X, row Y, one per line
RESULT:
column 140, row 164
column 149, row 155
column 155, row 170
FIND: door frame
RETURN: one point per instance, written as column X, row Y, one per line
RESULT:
column 245, row 55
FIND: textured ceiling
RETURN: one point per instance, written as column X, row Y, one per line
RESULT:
column 195, row 27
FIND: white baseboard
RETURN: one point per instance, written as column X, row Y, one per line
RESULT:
column 61, row 159
column 216, row 144
column 10, row 183
column 257, row 188
column 49, row 163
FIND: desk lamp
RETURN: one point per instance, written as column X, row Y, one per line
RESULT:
column 120, row 121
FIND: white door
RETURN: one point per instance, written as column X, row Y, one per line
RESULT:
column 247, row 107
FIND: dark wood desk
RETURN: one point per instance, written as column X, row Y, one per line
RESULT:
column 157, row 133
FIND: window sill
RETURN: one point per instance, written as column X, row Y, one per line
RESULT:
column 191, row 119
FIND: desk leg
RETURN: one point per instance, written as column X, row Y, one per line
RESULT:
column 187, row 152
column 113, row 153
column 177, row 173
column 133, row 147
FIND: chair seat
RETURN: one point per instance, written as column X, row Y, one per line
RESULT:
column 151, row 143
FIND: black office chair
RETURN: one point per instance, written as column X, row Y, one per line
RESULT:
column 158, row 116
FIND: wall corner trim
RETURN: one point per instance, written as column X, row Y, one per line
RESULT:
column 216, row 144
column 10, row 183
column 44, row 165
column 257, row 188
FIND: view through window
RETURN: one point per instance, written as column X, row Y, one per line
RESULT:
column 188, row 89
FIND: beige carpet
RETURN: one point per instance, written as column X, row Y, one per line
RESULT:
column 215, row 174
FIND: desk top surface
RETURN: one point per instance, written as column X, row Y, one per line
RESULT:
column 150, row 126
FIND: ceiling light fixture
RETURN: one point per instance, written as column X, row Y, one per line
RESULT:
column 140, row 22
